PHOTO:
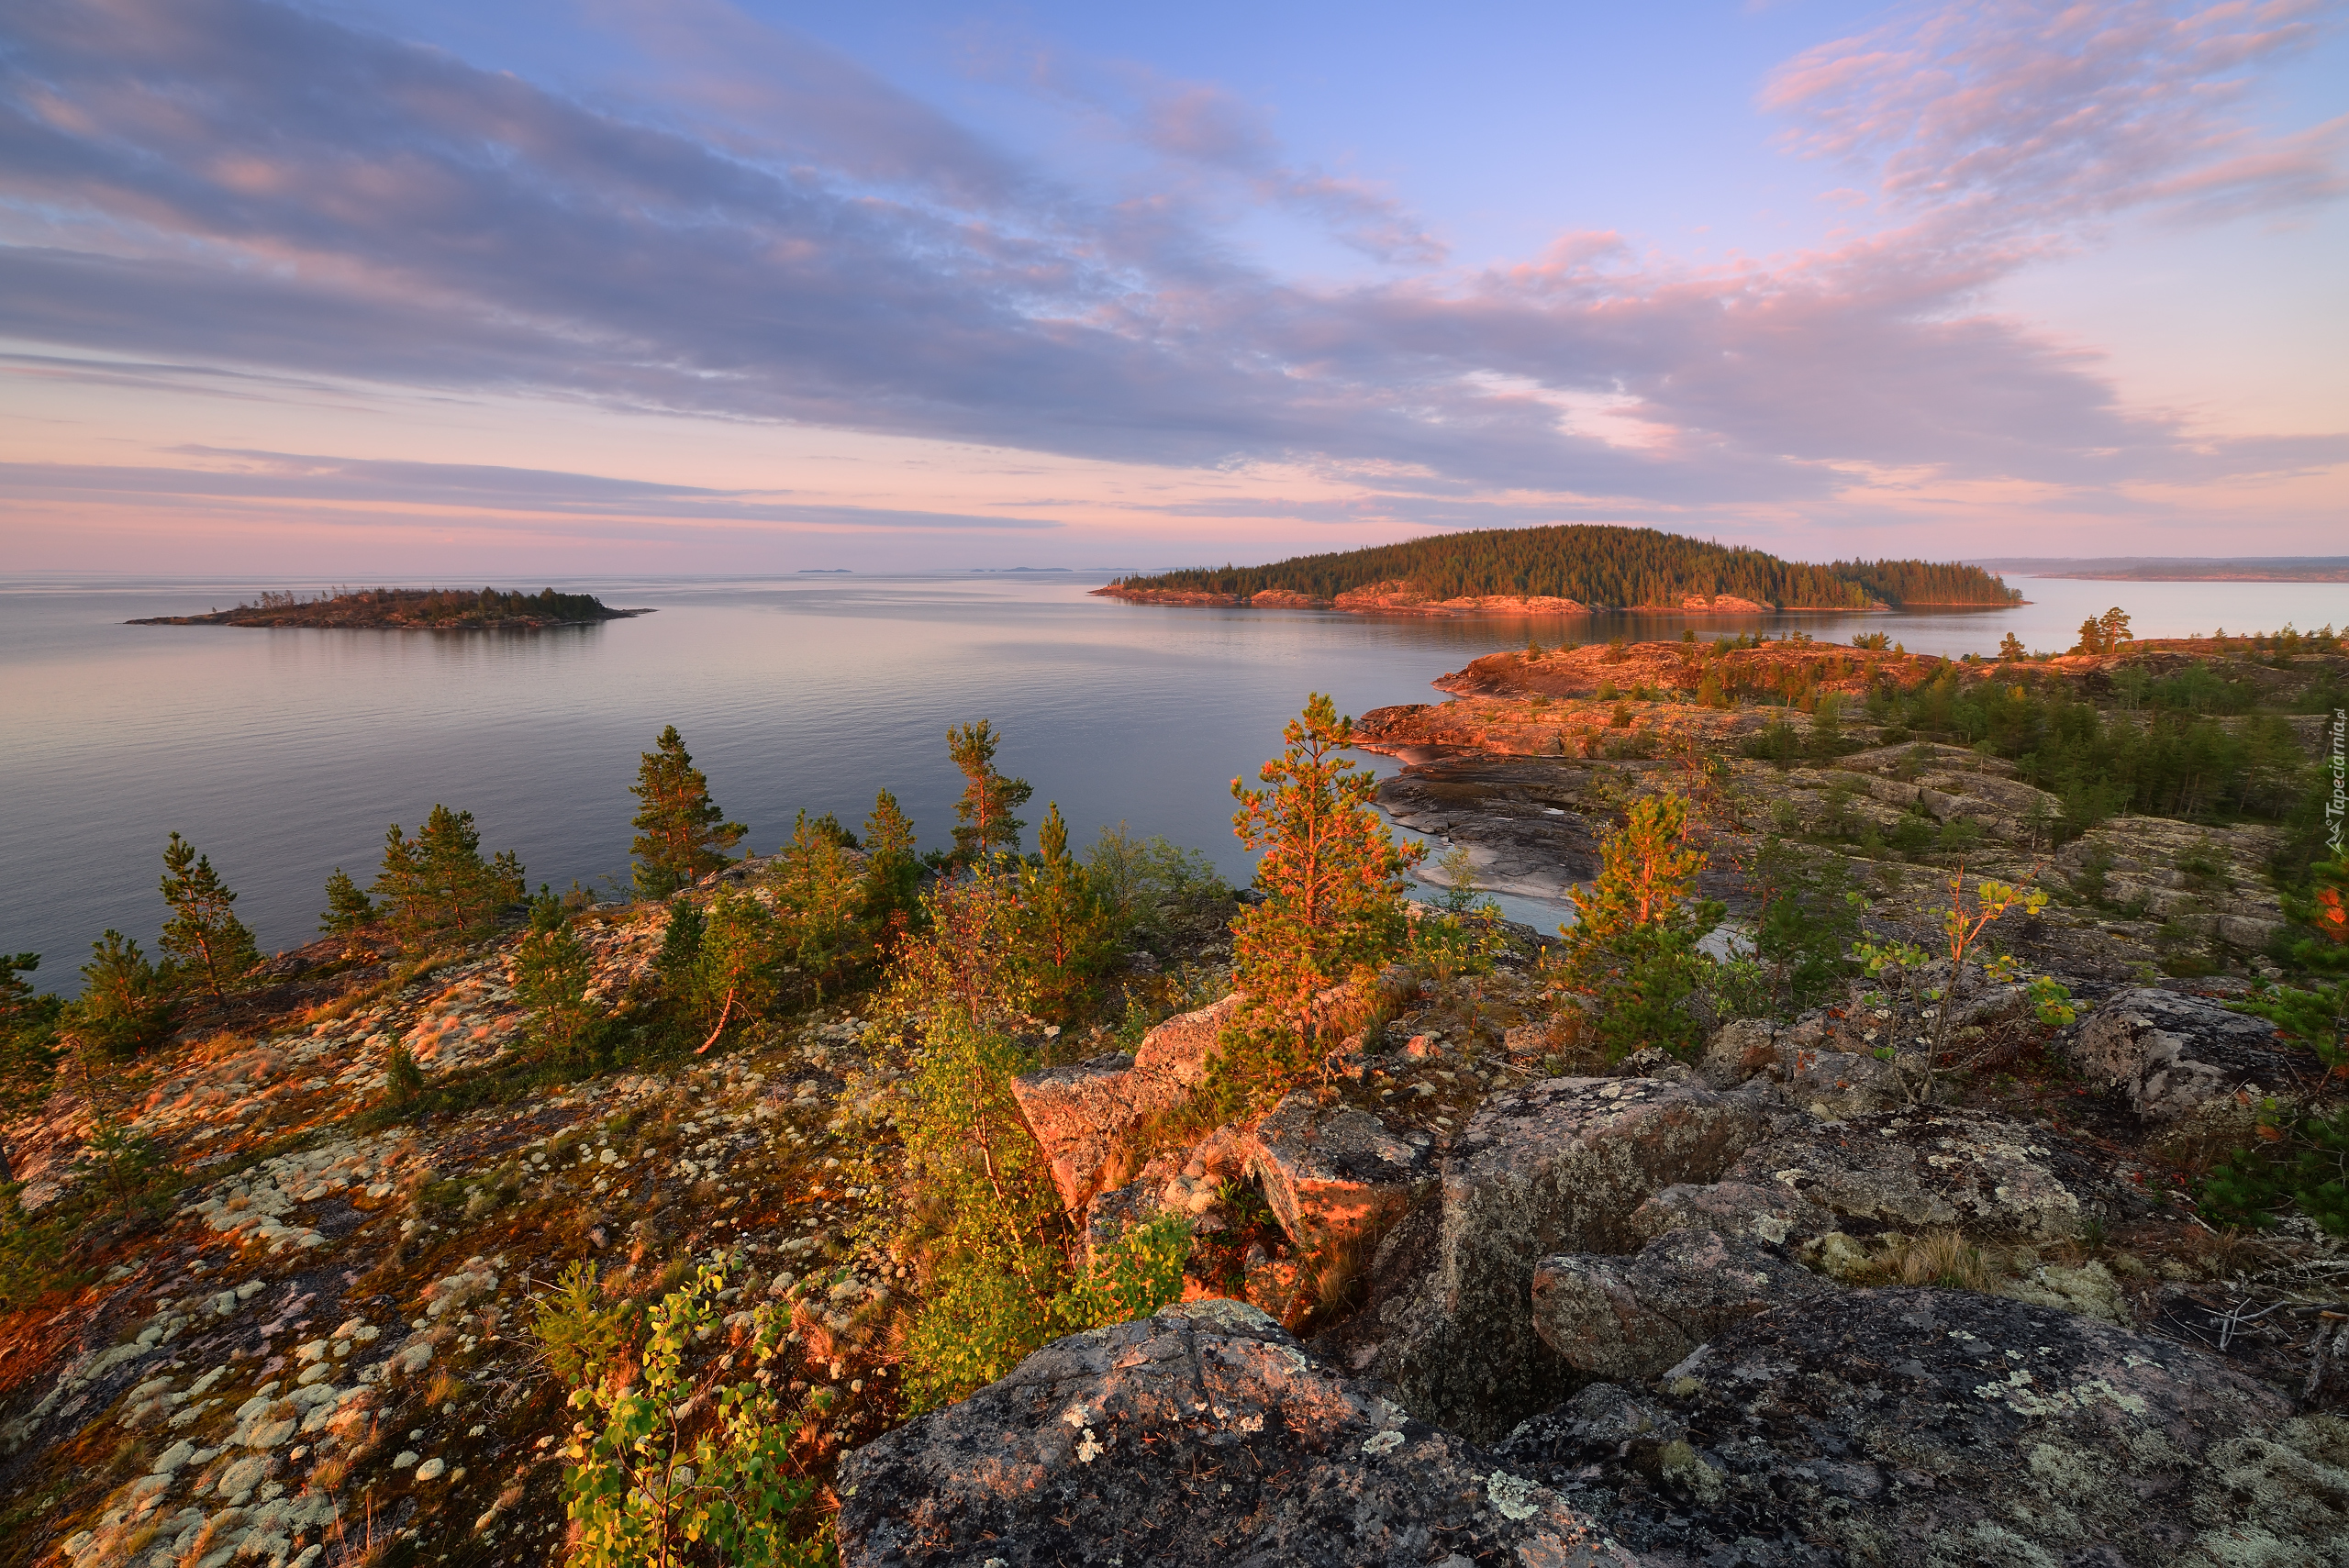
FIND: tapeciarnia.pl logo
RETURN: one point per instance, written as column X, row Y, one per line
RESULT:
column 2337, row 806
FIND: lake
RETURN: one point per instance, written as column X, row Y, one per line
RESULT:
column 284, row 753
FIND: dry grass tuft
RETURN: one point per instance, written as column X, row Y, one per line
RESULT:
column 1943, row 1258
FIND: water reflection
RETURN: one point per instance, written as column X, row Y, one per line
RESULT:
column 286, row 753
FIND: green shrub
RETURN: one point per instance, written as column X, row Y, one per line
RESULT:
column 126, row 1003
column 1914, row 834
column 987, row 1217
column 1809, row 919
column 402, row 1079
column 1146, row 881
column 29, row 1251
column 551, row 974
column 577, row 1334
column 1776, row 743
column 2302, row 1162
column 672, row 1468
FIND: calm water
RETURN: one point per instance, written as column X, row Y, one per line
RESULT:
column 284, row 754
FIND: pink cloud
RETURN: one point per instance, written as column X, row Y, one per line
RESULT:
column 2032, row 115
column 253, row 195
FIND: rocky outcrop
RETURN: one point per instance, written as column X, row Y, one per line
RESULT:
column 1204, row 1436
column 1166, row 596
column 2174, row 1055
column 1945, row 1426
column 1561, row 1166
column 1737, row 1051
column 1804, row 1064
column 1334, row 1171
column 1773, row 1215
column 1628, row 1318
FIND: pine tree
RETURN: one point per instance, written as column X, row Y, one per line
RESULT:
column 984, row 825
column 552, row 970
column 1065, row 931
column 739, row 967
column 2104, row 633
column 681, row 835
column 125, row 1005
column 349, row 909
column 204, row 936
column 1333, row 881
column 1631, row 959
column 817, row 887
column 678, row 962
column 436, row 886
column 892, row 869
column 27, row 1045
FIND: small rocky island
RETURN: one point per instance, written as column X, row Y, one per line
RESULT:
column 411, row 609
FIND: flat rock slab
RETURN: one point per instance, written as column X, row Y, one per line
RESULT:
column 1628, row 1318
column 1201, row 1437
column 2175, row 1054
column 1939, row 1170
column 1934, row 1427
column 1334, row 1171
column 1558, row 1166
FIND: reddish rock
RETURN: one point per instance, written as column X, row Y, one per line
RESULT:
column 1082, row 1113
column 1078, row 1114
column 1335, row 1171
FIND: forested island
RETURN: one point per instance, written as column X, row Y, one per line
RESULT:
column 411, row 609
column 1569, row 569
column 1934, row 1114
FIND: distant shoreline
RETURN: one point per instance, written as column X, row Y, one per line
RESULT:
column 2181, row 569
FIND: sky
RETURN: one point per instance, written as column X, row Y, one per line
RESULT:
column 362, row 290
